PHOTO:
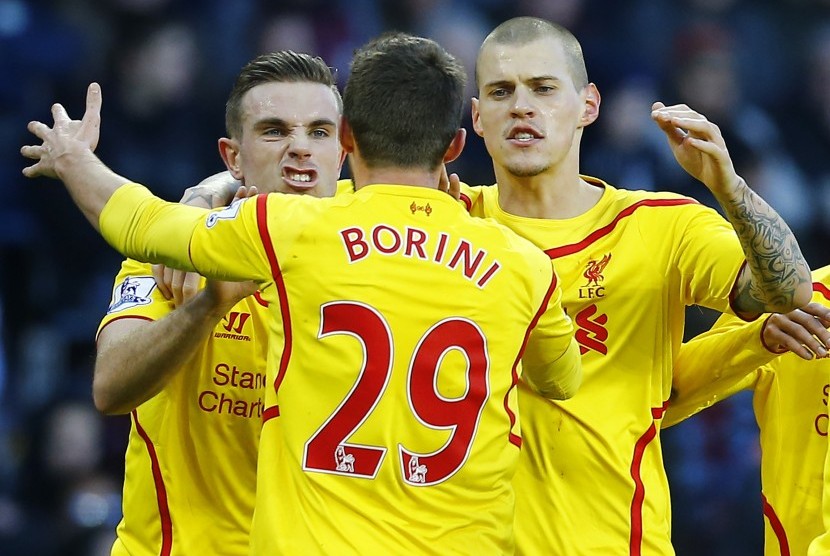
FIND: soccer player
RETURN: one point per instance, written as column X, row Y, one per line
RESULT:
column 591, row 478
column 193, row 378
column 390, row 422
column 790, row 394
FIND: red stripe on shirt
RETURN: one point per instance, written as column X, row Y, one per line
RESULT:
column 777, row 528
column 636, row 537
column 259, row 299
column 822, row 289
column 556, row 252
column 514, row 438
column 467, row 201
column 270, row 413
column 161, row 491
column 262, row 226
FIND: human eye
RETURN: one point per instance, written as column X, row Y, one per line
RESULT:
column 499, row 92
column 274, row 132
column 545, row 88
column 320, row 133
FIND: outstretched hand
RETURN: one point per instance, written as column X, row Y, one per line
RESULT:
column 66, row 135
column 698, row 146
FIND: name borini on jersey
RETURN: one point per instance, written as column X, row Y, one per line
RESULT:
column 454, row 254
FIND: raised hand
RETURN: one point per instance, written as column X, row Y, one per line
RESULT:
column 66, row 135
column 697, row 145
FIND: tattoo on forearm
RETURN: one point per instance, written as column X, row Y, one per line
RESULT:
column 772, row 253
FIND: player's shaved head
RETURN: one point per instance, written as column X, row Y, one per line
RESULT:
column 520, row 31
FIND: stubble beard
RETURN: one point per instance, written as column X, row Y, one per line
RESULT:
column 527, row 170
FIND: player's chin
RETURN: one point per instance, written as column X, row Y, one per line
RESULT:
column 527, row 169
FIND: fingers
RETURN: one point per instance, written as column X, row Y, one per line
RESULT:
column 241, row 193
column 449, row 183
column 185, row 285
column 91, row 121
column 799, row 332
column 818, row 311
column 444, row 180
column 33, row 171
column 162, row 278
column 59, row 114
column 455, row 186
column 32, row 151
column 38, row 129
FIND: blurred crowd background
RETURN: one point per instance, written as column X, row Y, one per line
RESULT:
column 760, row 69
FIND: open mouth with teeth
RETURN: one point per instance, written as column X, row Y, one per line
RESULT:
column 524, row 135
column 299, row 179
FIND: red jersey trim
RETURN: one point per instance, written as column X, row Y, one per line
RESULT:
column 467, row 201
column 262, row 226
column 564, row 250
column 777, row 527
column 635, row 542
column 259, row 299
column 161, row 491
column 270, row 413
column 514, row 438
column 822, row 289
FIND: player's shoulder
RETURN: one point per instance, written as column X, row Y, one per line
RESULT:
column 474, row 195
column 648, row 197
column 504, row 240
column 344, row 187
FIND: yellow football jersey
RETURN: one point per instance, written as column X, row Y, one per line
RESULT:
column 190, row 466
column 591, row 478
column 391, row 419
column 790, row 402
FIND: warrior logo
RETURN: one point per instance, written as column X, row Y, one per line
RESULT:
column 132, row 292
column 234, row 323
column 593, row 273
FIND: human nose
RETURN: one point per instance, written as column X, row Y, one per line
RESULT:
column 300, row 146
column 522, row 104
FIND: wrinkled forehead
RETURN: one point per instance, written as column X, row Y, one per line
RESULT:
column 295, row 103
column 540, row 57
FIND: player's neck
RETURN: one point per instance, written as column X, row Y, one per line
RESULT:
column 552, row 195
column 396, row 176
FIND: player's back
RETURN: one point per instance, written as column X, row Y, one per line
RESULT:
column 391, row 427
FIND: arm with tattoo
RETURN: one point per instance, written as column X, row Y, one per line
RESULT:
column 776, row 277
